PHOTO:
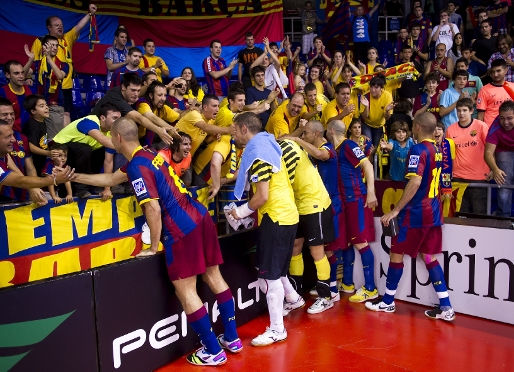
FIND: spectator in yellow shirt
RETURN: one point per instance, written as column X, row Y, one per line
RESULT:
column 150, row 62
column 286, row 118
column 343, row 107
column 314, row 103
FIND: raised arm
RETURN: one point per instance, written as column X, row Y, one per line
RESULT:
column 85, row 20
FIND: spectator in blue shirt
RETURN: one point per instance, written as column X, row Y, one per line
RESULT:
column 398, row 147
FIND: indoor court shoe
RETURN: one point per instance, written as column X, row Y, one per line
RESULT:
column 320, row 305
column 269, row 337
column 335, row 296
column 290, row 306
column 346, row 288
column 313, row 292
column 378, row 305
column 233, row 346
column 363, row 295
column 202, row 358
column 437, row 313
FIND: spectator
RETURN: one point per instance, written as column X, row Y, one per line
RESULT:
column 21, row 157
column 360, row 32
column 469, row 136
column 10, row 177
column 409, row 88
column 116, row 56
column 194, row 90
column 373, row 61
column 379, row 107
column 85, row 139
column 499, row 155
column 259, row 93
column 419, row 45
column 273, row 76
column 444, row 32
column 412, row 15
column 424, row 23
column 16, row 92
column 149, row 78
column 446, row 147
column 428, row 101
column 401, row 112
column 314, row 103
column 178, row 156
column 245, row 58
column 51, row 72
column 473, row 86
column 299, row 77
column 151, row 62
column 339, row 71
column 454, row 17
column 316, row 78
column 281, row 56
column 66, row 41
column 124, row 97
column 197, row 124
column 393, row 8
column 354, row 133
column 497, row 13
column 319, row 56
column 493, row 94
column 216, row 71
column 177, row 93
column 152, row 106
column 442, row 65
column 477, row 31
column 130, row 42
column 456, row 51
column 484, row 47
column 398, row 147
column 506, row 52
column 286, row 118
column 342, row 107
column 58, row 160
column 474, row 68
column 449, row 98
column 309, row 21
column 35, row 129
column 391, row 84
column 132, row 66
column 401, row 40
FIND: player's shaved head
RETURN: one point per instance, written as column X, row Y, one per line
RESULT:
column 337, row 125
column 426, row 121
column 316, row 127
column 126, row 128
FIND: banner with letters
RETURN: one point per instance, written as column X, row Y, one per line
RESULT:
column 182, row 29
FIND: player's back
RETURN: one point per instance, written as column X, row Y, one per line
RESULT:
column 350, row 157
column 328, row 170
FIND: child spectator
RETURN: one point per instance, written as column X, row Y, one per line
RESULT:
column 447, row 147
column 59, row 160
column 398, row 147
column 401, row 112
column 373, row 61
column 179, row 157
column 354, row 133
column 35, row 129
column 299, row 77
column 429, row 100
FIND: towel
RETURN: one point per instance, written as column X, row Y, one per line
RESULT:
column 244, row 223
column 261, row 147
column 274, row 79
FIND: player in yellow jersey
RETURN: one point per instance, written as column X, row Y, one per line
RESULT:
column 262, row 166
column 343, row 107
column 315, row 226
column 199, row 124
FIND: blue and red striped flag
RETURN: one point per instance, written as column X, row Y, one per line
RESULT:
column 338, row 26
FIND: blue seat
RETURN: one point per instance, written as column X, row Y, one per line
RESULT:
column 93, row 97
column 76, row 84
column 77, row 98
column 3, row 79
column 95, row 84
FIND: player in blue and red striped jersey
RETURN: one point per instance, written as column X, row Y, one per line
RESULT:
column 187, row 233
column 16, row 92
column 133, row 59
column 358, row 199
column 216, row 71
column 420, row 217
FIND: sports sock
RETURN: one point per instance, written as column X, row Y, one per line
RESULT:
column 368, row 266
column 296, row 272
column 323, row 273
column 332, row 260
column 348, row 255
column 290, row 294
column 394, row 273
column 275, row 298
column 201, row 324
column 436, row 275
column 228, row 314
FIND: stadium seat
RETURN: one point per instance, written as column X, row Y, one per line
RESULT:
column 93, row 97
column 77, row 98
column 95, row 84
column 76, row 83
column 3, row 79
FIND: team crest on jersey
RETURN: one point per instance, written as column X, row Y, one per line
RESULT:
column 358, row 152
column 254, row 178
column 479, row 101
column 413, row 160
column 139, row 186
column 473, row 133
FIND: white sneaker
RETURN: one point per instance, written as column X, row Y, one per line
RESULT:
column 290, row 306
column 378, row 305
column 313, row 292
column 437, row 313
column 335, row 296
column 269, row 337
column 320, row 305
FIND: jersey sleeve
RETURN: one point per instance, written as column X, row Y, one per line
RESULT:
column 4, row 172
column 143, row 182
column 143, row 108
column 65, row 67
column 260, row 172
column 277, row 126
column 481, row 100
column 170, row 115
column 416, row 161
column 331, row 152
column 85, row 125
column 354, row 154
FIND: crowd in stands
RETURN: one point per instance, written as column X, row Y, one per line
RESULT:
column 464, row 75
